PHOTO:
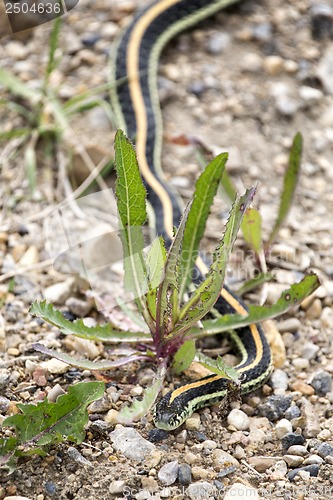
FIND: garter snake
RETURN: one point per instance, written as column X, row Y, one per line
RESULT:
column 134, row 97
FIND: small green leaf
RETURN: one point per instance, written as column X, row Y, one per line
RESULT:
column 49, row 423
column 289, row 185
column 140, row 408
column 217, row 366
column 184, row 356
column 102, row 333
column 251, row 228
column 205, row 296
column 256, row 314
column 205, row 190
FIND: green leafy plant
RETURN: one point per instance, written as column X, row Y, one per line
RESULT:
column 45, row 115
column 46, row 423
column 160, row 281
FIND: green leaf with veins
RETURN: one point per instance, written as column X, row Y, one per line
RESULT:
column 256, row 314
column 205, row 190
column 131, row 202
column 102, row 333
column 48, row 423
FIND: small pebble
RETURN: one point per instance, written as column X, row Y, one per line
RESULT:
column 312, row 424
column 292, row 412
column 325, row 449
column 251, row 62
column 55, row 366
column 313, row 459
column 101, row 405
column 168, row 473
column 190, row 458
column 59, row 292
column 184, row 474
column 313, row 470
column 324, row 435
column 279, row 380
column 321, row 21
column 199, row 473
column 131, row 444
column 315, row 310
column 155, row 435
column 76, row 456
column 239, row 452
column 275, row 407
column 301, row 363
column 256, row 437
column 309, row 350
column 310, row 95
column 273, row 65
column 238, row 419
column 50, row 488
column 78, row 307
column 302, row 387
column 286, row 105
column 222, row 459
column 54, row 392
column 201, row 489
column 322, row 383
column 117, row 487
column 282, row 428
column 100, row 427
column 291, row 325
column 209, row 444
column 279, row 470
column 112, row 417
column 293, row 460
column 4, row 404
column 239, row 491
column 291, row 439
column 4, row 378
column 261, row 464
column 193, row 423
column 218, row 43
column 297, row 449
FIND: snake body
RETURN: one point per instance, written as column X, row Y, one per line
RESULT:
column 134, row 97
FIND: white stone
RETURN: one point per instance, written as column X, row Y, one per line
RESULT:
column 282, row 428
column 239, row 420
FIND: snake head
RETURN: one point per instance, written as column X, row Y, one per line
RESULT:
column 169, row 414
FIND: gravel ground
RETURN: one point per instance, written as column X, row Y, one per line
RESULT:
column 245, row 81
